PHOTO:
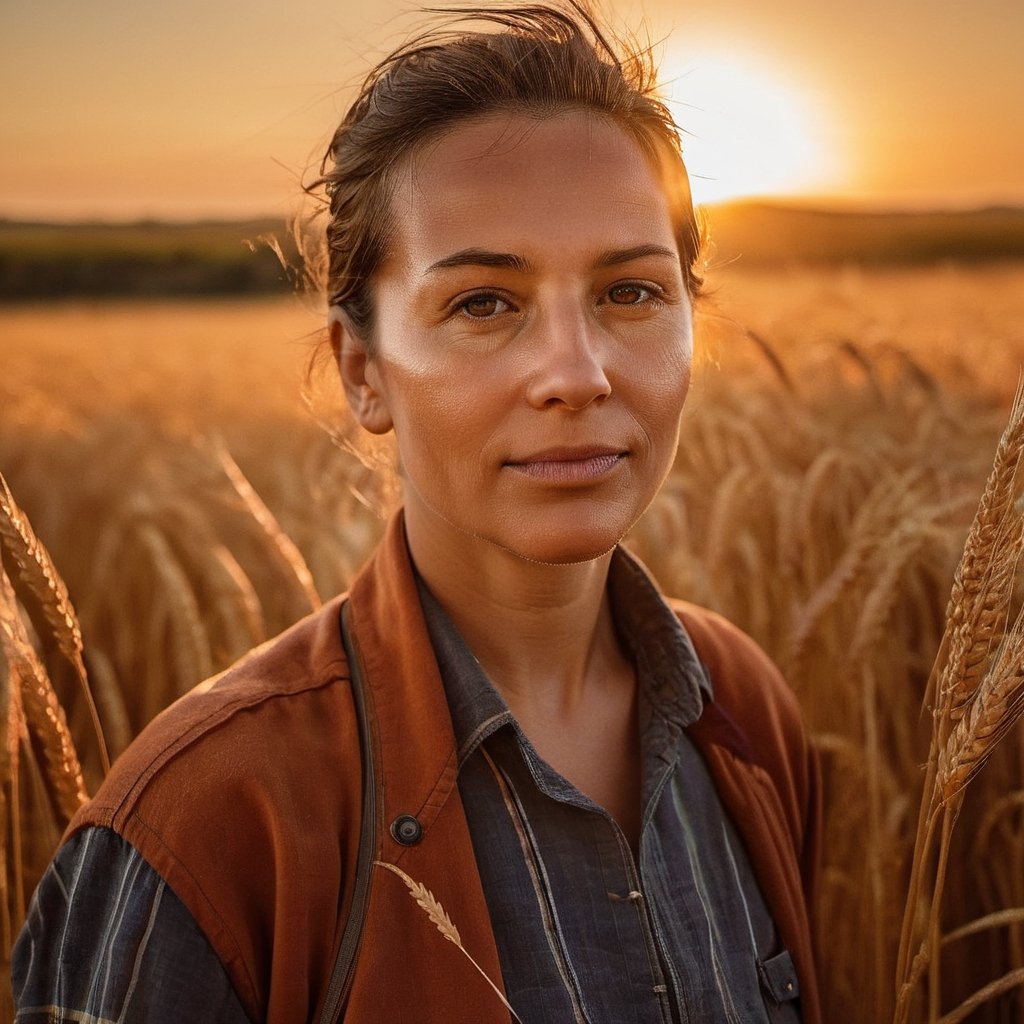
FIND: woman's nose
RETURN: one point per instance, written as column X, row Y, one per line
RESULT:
column 568, row 360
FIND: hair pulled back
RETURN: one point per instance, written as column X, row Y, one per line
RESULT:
column 539, row 59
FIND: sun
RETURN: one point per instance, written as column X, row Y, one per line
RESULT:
column 747, row 131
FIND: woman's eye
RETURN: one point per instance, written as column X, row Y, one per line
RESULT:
column 483, row 307
column 629, row 294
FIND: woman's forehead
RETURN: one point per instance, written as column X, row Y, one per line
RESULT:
column 514, row 181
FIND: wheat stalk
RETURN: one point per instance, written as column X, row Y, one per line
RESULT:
column 40, row 575
column 191, row 648
column 814, row 493
column 10, row 701
column 11, row 876
column 997, row 919
column 12, row 879
column 1007, row 983
column 978, row 680
column 37, row 570
column 42, row 710
column 731, row 502
column 110, row 700
column 281, row 544
column 225, row 594
column 428, row 903
column 235, row 600
column 883, row 510
column 894, row 557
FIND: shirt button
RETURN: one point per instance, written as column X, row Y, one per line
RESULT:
column 405, row 829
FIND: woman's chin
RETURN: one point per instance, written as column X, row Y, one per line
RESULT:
column 567, row 543
column 564, row 534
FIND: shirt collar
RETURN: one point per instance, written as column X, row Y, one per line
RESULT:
column 673, row 684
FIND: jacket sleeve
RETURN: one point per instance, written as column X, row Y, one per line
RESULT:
column 107, row 939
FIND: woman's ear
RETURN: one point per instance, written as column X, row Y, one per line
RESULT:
column 358, row 374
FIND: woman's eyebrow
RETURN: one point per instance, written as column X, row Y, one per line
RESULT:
column 512, row 261
column 613, row 257
column 482, row 258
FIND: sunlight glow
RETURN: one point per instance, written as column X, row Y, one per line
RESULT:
column 746, row 132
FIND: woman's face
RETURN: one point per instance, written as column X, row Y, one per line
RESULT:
column 533, row 337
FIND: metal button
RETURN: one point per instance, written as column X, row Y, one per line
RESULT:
column 405, row 829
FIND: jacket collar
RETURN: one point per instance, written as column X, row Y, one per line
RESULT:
column 407, row 695
column 402, row 686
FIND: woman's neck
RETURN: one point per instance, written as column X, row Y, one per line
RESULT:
column 543, row 633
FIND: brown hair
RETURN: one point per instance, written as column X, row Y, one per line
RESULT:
column 541, row 58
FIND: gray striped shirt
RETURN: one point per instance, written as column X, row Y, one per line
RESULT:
column 586, row 932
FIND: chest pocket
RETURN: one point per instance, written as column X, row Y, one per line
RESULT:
column 780, row 987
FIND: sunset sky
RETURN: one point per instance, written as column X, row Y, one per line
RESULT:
column 117, row 109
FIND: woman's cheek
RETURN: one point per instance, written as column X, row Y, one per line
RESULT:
column 665, row 386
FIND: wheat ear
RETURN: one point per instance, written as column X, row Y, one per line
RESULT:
column 977, row 684
column 429, row 904
column 37, row 571
column 41, row 708
column 996, row 706
column 12, row 883
column 977, row 603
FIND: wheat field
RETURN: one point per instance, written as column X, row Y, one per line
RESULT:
column 837, row 440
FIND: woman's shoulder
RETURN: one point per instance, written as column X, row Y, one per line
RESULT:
column 725, row 648
column 755, row 715
column 747, row 685
column 236, row 732
column 237, row 789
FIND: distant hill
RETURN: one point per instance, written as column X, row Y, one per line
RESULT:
column 761, row 233
column 146, row 258
column 157, row 259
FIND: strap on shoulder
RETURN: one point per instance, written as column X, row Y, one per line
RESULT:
column 348, row 947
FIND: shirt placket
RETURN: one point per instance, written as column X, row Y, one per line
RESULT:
column 665, row 983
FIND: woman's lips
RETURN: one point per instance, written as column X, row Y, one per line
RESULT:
column 568, row 465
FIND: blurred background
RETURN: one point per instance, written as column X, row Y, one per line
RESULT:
column 120, row 112
column 117, row 110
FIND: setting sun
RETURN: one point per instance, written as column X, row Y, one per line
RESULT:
column 746, row 131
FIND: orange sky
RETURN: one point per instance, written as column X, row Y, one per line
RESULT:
column 119, row 109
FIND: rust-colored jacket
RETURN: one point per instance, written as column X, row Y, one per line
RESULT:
column 246, row 796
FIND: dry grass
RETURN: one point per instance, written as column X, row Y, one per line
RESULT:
column 832, row 460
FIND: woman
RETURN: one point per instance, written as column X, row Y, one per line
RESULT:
column 502, row 770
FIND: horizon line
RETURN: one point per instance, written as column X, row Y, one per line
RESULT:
column 810, row 204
